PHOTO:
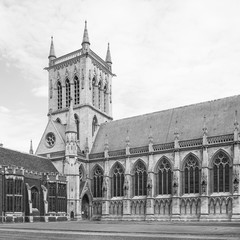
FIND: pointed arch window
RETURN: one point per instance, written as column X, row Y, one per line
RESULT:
column 77, row 124
column 191, row 175
column 81, row 173
column 221, row 173
column 140, row 179
column 94, row 125
column 164, row 177
column 99, row 95
column 93, row 92
column 105, row 98
column 76, row 90
column 97, row 182
column 59, row 89
column 68, row 93
column 35, row 197
column 117, row 181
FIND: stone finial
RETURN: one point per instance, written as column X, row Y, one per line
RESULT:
column 236, row 128
column 205, row 141
column 85, row 35
column 108, row 56
column 31, row 148
column 127, row 144
column 150, row 140
column 106, row 147
column 52, row 54
column 176, row 136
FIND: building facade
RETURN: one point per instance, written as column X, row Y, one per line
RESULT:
column 176, row 164
column 31, row 189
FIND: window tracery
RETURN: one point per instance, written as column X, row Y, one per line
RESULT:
column 97, row 182
column 117, row 181
column 140, row 179
column 68, row 93
column 164, row 177
column 191, row 176
column 59, row 89
column 221, row 173
column 76, row 90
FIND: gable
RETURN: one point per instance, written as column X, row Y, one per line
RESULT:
column 188, row 121
column 58, row 130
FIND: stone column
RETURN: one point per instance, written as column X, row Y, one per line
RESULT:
column 235, row 174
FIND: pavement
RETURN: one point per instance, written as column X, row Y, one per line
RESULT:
column 121, row 230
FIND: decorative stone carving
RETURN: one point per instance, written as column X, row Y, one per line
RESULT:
column 175, row 184
column 104, row 187
column 125, row 188
column 204, row 183
column 149, row 186
column 235, row 182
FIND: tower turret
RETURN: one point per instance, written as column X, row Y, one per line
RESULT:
column 85, row 41
column 52, row 54
column 108, row 57
column 71, row 133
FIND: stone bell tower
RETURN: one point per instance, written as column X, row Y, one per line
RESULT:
column 86, row 78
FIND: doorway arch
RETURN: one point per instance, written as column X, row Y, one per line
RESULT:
column 85, row 207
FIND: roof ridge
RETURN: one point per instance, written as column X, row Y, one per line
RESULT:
column 26, row 153
column 193, row 104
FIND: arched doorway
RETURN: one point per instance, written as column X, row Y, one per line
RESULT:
column 85, row 207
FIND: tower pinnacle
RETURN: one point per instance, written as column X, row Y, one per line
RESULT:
column 108, row 56
column 52, row 51
column 71, row 125
column 85, row 35
column 31, row 148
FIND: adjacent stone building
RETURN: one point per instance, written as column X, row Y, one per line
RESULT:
column 31, row 188
column 176, row 164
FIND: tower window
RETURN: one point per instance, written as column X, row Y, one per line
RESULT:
column 164, row 177
column 191, row 175
column 77, row 124
column 93, row 91
column 97, row 182
column 105, row 99
column 140, row 179
column 99, row 95
column 59, row 89
column 68, row 93
column 76, row 91
column 117, row 181
column 221, row 173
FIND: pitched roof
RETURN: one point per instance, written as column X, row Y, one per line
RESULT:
column 28, row 161
column 188, row 120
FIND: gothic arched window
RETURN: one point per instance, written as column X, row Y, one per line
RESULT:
column 140, row 179
column 94, row 125
column 77, row 124
column 93, row 91
column 68, row 93
column 35, row 197
column 59, row 89
column 105, row 98
column 164, row 177
column 97, row 182
column 81, row 173
column 99, row 94
column 117, row 181
column 76, row 91
column 191, row 175
column 221, row 173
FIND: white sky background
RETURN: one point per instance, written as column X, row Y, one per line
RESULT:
column 165, row 54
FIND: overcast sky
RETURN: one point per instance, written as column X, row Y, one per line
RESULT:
column 165, row 54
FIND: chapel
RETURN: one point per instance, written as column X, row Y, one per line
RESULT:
column 180, row 164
